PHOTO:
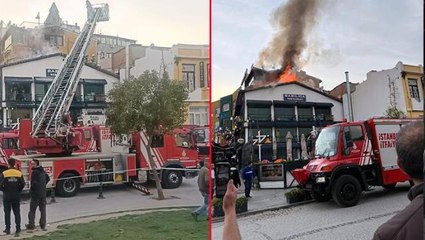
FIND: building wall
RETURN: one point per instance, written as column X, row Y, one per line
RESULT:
column 277, row 125
column 414, row 106
column 152, row 60
column 32, row 70
column 276, row 93
column 372, row 96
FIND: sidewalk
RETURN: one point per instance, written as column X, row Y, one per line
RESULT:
column 264, row 200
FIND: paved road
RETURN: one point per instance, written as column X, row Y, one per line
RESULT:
column 318, row 221
column 117, row 198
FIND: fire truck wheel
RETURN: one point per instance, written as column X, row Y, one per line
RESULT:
column 171, row 179
column 68, row 187
column 346, row 191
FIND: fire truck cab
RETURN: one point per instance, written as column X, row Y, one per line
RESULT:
column 350, row 157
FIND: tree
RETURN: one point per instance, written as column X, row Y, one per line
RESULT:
column 150, row 103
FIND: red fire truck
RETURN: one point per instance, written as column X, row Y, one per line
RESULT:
column 350, row 157
column 117, row 159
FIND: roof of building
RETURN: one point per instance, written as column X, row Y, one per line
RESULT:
column 54, row 55
column 289, row 83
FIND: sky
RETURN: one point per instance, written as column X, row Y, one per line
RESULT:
column 351, row 35
column 162, row 22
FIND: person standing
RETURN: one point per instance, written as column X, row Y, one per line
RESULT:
column 39, row 180
column 408, row 224
column 11, row 183
column 248, row 176
column 203, row 184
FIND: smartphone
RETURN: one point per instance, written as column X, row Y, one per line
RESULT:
column 222, row 177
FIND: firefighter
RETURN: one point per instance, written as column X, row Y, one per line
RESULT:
column 39, row 180
column 11, row 183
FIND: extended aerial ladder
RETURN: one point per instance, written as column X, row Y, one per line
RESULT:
column 51, row 120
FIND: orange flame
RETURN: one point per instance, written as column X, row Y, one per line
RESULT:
column 289, row 75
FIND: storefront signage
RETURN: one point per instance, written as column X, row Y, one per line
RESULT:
column 51, row 72
column 294, row 97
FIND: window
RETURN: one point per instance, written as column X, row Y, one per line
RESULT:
column 87, row 135
column 41, row 90
column 413, row 89
column 356, row 133
column 305, row 114
column 286, row 113
column 198, row 115
column 182, row 140
column 208, row 75
column 259, row 113
column 189, row 76
column 9, row 143
column 282, row 132
column 202, row 74
column 18, row 91
column 55, row 40
column 94, row 92
column 304, row 130
column 323, row 114
column 157, row 141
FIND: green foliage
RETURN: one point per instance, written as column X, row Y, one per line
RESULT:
column 393, row 112
column 218, row 202
column 155, row 225
column 297, row 193
column 147, row 102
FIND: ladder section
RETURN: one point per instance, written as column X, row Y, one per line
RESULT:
column 50, row 120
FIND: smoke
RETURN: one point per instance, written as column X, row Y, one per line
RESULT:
column 292, row 21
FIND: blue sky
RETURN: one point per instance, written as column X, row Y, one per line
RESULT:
column 351, row 35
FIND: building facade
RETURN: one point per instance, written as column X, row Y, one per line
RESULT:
column 187, row 63
column 275, row 110
column 24, row 84
column 401, row 87
column 54, row 36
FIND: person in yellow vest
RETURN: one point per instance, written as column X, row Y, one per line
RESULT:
column 11, row 183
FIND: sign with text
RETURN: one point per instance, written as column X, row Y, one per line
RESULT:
column 51, row 72
column 294, row 97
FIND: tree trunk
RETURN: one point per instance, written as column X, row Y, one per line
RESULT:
column 155, row 172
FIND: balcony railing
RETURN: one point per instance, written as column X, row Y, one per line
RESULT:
column 309, row 117
column 260, row 117
column 20, row 97
column 324, row 117
column 101, row 98
column 291, row 117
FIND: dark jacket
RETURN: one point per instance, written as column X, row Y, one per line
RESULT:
column 39, row 179
column 248, row 173
column 408, row 224
column 11, row 183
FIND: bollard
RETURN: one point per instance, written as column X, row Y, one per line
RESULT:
column 52, row 196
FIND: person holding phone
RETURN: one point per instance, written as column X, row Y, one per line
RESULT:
column 231, row 229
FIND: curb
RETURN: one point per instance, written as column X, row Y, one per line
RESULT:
column 121, row 212
column 245, row 214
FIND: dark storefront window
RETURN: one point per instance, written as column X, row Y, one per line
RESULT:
column 259, row 113
column 18, row 91
column 284, row 113
column 304, row 130
column 305, row 114
column 282, row 132
column 323, row 114
column 253, row 132
column 41, row 90
column 94, row 93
